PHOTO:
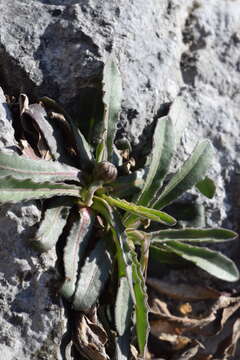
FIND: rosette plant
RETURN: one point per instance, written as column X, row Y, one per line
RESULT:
column 83, row 185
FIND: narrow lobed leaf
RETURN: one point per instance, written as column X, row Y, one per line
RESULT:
column 192, row 171
column 52, row 224
column 120, row 237
column 112, row 90
column 77, row 241
column 211, row 261
column 92, row 278
column 141, row 307
column 13, row 190
column 36, row 170
column 161, row 155
column 140, row 211
column 159, row 254
column 180, row 114
column 192, row 235
column 123, row 318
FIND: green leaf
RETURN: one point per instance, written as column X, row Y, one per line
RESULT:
column 52, row 224
column 141, row 307
column 128, row 185
column 191, row 235
column 162, row 255
column 123, row 307
column 162, row 151
column 77, row 241
column 161, row 155
column 211, row 261
column 81, row 144
column 36, row 170
column 112, row 90
column 92, row 278
column 207, row 187
column 120, row 237
column 123, row 318
column 179, row 114
column 141, row 211
column 192, row 171
column 13, row 190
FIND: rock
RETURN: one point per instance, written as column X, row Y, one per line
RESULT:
column 32, row 320
column 165, row 49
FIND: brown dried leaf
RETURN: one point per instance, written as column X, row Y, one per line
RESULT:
column 27, row 150
column 225, row 307
column 228, row 312
column 159, row 327
column 67, row 131
column 37, row 129
column 231, row 349
column 177, row 342
column 183, row 292
column 90, row 338
column 227, row 348
column 191, row 352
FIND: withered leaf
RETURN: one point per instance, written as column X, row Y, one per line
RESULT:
column 39, row 131
column 189, row 353
column 90, row 338
column 177, row 342
column 162, row 320
column 230, row 350
column 27, row 150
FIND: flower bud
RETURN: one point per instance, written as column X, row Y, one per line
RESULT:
column 105, row 171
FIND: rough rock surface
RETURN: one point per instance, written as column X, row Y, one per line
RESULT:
column 164, row 48
column 32, row 318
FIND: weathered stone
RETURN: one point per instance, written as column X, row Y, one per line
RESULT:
column 164, row 49
column 32, row 320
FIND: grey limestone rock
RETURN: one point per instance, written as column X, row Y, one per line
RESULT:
column 165, row 49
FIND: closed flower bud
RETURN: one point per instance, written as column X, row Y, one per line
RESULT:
column 105, row 171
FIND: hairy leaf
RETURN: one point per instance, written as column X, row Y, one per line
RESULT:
column 206, row 187
column 211, row 261
column 52, row 224
column 123, row 307
column 141, row 211
column 179, row 114
column 191, row 235
column 159, row 254
column 192, row 171
column 13, row 190
column 120, row 237
column 74, row 250
column 123, row 317
column 92, row 278
column 36, row 170
column 161, row 155
column 162, row 151
column 112, row 90
column 141, row 308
